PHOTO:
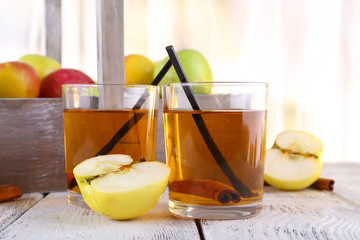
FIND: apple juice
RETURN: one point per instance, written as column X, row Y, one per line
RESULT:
column 239, row 136
column 87, row 131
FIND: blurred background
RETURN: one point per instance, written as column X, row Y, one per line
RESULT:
column 308, row 52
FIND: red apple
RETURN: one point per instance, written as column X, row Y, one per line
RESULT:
column 51, row 85
column 18, row 80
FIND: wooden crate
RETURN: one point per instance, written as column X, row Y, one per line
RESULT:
column 32, row 144
column 31, row 130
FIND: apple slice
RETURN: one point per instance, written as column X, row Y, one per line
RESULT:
column 114, row 186
column 294, row 162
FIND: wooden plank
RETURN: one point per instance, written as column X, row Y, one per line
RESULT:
column 54, row 218
column 32, row 144
column 110, row 36
column 347, row 179
column 306, row 214
column 160, row 141
column 10, row 211
column 53, row 29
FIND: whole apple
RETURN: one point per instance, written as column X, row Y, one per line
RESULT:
column 51, row 85
column 138, row 69
column 18, row 80
column 43, row 65
column 195, row 66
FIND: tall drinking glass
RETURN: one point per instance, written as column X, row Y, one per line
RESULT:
column 108, row 119
column 215, row 137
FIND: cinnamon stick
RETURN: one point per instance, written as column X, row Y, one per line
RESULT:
column 218, row 191
column 9, row 192
column 320, row 183
column 324, row 184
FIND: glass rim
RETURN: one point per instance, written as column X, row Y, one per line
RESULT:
column 225, row 83
column 108, row 84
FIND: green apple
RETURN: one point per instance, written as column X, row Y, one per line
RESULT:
column 196, row 68
column 294, row 162
column 18, row 80
column 138, row 69
column 118, row 188
column 43, row 65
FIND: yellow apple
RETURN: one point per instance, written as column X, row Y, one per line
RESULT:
column 138, row 69
column 118, row 188
column 43, row 65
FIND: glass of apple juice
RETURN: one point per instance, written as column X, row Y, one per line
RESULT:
column 215, row 137
column 102, row 119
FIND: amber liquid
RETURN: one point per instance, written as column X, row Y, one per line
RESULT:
column 87, row 131
column 240, row 137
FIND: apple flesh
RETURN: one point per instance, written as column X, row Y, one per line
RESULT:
column 51, row 85
column 294, row 162
column 114, row 186
column 18, row 80
column 138, row 69
column 196, row 68
column 43, row 65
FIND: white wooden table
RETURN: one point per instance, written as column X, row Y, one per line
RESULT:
column 306, row 214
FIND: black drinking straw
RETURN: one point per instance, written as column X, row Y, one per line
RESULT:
column 220, row 160
column 137, row 116
column 130, row 123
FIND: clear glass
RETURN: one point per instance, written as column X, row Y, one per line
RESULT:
column 107, row 119
column 215, row 135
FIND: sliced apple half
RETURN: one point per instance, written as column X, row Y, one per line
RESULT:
column 114, row 186
column 294, row 162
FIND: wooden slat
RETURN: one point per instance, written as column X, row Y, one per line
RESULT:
column 306, row 214
column 10, row 211
column 347, row 179
column 32, row 144
column 54, row 218
column 160, row 142
column 110, row 35
column 53, row 29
